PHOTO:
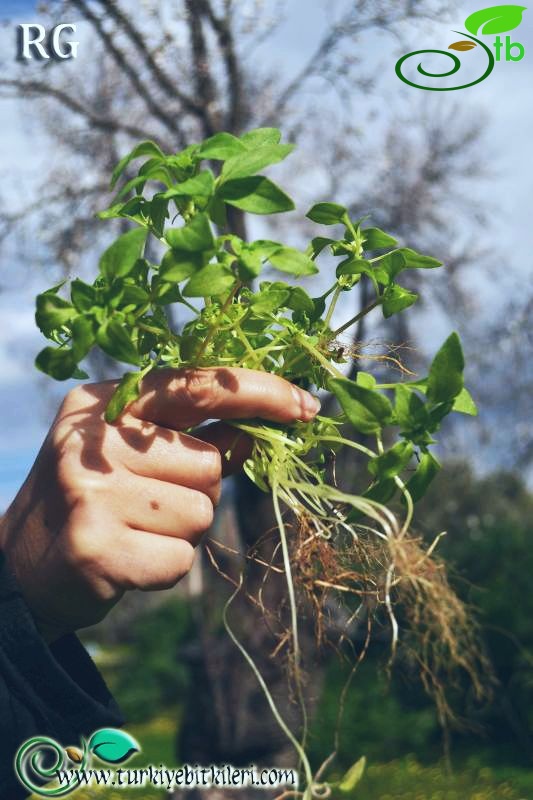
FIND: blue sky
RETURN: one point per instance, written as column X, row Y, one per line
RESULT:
column 12, row 9
column 29, row 400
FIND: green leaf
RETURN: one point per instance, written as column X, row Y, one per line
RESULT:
column 354, row 266
column 217, row 211
column 445, row 379
column 83, row 335
column 365, row 379
column 113, row 746
column 426, row 471
column 388, row 267
column 147, row 148
column 326, row 213
column 221, row 146
column 126, row 392
column 55, row 289
column 287, row 259
column 129, row 210
column 367, row 410
column 376, row 239
column 411, row 411
column 437, row 412
column 177, row 265
column 257, row 194
column 82, row 295
column 119, row 259
column 496, row 19
column 252, row 161
column 396, row 298
column 261, row 136
column 414, row 260
column 156, row 173
column 52, row 312
column 249, row 264
column 158, row 213
column 352, row 777
column 140, row 180
column 265, row 247
column 202, row 185
column 135, row 295
column 212, row 280
column 270, row 299
column 299, row 300
column 58, row 362
column 318, row 244
column 392, row 462
column 154, row 165
column 193, row 237
column 165, row 293
column 114, row 340
column 464, row 403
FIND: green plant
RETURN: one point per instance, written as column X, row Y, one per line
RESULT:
column 280, row 328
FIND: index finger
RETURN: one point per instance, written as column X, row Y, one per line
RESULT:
column 181, row 398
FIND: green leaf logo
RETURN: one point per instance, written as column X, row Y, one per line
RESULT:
column 496, row 19
column 462, row 45
column 113, row 746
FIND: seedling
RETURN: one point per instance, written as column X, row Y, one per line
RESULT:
column 177, row 205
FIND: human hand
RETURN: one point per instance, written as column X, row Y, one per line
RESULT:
column 108, row 508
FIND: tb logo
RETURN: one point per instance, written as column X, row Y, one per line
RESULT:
column 33, row 42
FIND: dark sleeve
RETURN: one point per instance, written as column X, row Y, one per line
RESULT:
column 49, row 690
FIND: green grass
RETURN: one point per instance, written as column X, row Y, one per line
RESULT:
column 407, row 779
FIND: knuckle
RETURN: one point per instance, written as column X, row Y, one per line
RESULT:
column 64, row 436
column 201, row 388
column 74, row 399
column 212, row 466
column 87, row 487
column 186, row 561
column 203, row 512
column 83, row 552
column 176, row 566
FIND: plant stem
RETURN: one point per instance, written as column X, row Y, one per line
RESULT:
column 331, row 309
column 290, row 585
column 366, row 310
column 408, row 502
column 293, row 610
column 149, row 329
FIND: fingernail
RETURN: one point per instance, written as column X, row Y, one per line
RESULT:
column 311, row 404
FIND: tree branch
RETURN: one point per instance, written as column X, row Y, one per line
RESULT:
column 44, row 89
column 336, row 33
column 169, row 121
column 162, row 79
